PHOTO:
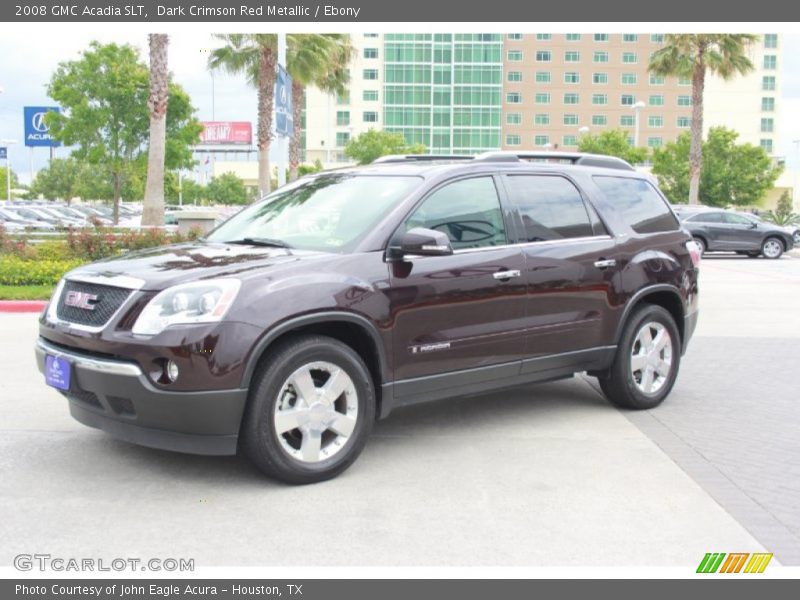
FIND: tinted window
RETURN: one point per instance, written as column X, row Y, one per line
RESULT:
column 710, row 217
column 551, row 208
column 734, row 219
column 468, row 211
column 641, row 206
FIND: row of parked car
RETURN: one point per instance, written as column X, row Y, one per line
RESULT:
column 52, row 216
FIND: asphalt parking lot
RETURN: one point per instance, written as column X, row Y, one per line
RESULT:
column 546, row 475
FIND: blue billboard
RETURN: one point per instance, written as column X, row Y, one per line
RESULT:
column 284, row 118
column 37, row 133
column 3, row 153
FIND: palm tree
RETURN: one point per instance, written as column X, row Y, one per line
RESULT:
column 153, row 213
column 314, row 60
column 255, row 55
column 694, row 55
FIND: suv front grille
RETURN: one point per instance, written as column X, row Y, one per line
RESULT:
column 105, row 301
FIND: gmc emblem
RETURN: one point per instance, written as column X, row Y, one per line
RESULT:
column 82, row 300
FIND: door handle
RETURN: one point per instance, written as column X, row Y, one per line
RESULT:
column 506, row 274
column 605, row 263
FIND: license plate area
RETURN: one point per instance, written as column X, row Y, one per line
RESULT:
column 57, row 372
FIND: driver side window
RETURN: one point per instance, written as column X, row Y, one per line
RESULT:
column 468, row 211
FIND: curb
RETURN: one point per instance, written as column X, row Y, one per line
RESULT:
column 22, row 306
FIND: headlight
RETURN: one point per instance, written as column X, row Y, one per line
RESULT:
column 198, row 302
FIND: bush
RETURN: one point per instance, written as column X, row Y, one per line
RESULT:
column 17, row 271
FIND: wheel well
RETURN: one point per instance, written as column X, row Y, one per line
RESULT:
column 778, row 239
column 668, row 301
column 348, row 333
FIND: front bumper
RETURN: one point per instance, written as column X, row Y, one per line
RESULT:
column 117, row 397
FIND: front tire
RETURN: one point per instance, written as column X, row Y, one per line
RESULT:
column 310, row 410
column 647, row 360
column 772, row 248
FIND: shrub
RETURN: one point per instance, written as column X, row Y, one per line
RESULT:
column 17, row 271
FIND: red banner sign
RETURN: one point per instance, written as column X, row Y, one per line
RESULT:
column 226, row 132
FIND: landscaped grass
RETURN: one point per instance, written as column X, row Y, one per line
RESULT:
column 25, row 292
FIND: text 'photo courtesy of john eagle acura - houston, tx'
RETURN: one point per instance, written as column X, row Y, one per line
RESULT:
column 290, row 328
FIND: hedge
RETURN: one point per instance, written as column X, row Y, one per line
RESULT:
column 17, row 271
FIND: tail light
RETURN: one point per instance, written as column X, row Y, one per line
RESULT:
column 694, row 252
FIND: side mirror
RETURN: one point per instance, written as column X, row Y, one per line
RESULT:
column 420, row 242
column 753, row 225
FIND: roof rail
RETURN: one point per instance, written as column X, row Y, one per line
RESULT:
column 576, row 158
column 393, row 158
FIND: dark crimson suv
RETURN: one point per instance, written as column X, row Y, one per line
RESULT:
column 294, row 325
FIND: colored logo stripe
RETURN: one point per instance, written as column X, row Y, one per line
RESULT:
column 758, row 563
column 713, row 562
column 734, row 562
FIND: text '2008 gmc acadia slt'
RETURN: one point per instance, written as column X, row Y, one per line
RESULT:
column 298, row 322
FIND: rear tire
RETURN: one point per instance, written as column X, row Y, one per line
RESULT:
column 772, row 248
column 310, row 410
column 647, row 360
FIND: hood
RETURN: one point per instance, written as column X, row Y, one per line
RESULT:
column 162, row 267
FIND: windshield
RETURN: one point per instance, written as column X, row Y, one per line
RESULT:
column 329, row 213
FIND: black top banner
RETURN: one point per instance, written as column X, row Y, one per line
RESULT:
column 373, row 11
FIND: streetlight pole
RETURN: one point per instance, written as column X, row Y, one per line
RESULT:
column 8, row 143
column 636, row 108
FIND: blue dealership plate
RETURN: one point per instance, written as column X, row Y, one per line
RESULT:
column 57, row 372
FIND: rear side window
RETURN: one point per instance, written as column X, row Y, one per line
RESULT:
column 551, row 207
column 641, row 206
column 468, row 211
column 713, row 217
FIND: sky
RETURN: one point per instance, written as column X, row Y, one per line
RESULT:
column 25, row 69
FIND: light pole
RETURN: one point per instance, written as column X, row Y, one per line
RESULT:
column 8, row 166
column 636, row 108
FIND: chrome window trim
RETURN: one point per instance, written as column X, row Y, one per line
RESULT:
column 91, row 364
column 535, row 244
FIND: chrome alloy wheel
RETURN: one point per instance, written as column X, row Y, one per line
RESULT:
column 316, row 412
column 772, row 249
column 651, row 357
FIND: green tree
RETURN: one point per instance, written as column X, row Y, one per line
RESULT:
column 613, row 142
column 60, row 179
column 783, row 214
column 153, row 209
column 4, row 181
column 693, row 56
column 373, row 144
column 104, row 95
column 734, row 174
column 227, row 189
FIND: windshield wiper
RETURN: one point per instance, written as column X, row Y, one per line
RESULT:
column 260, row 241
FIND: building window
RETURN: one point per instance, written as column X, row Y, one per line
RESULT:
column 599, row 120
column 655, row 121
column 629, row 58
column 572, row 56
column 542, row 76
column 371, row 74
column 542, row 98
column 768, row 83
column 572, row 78
column 684, row 100
column 630, row 37
column 770, row 40
column 514, row 55
column 629, row 79
column 766, row 144
column 370, row 35
column 600, row 78
column 628, row 99
column 626, row 121
column 570, row 119
column 343, row 98
column 600, row 37
column 541, row 140
column 370, row 95
column 770, row 62
column 767, row 125
column 513, row 118
column 654, row 142
column 600, row 57
column 513, row 139
column 657, row 38
column 370, row 116
column 684, row 122
column 514, row 36
column 573, row 37
column 342, row 137
column 685, row 81
column 599, row 99
column 370, row 53
column 513, row 98
column 768, row 104
column 570, row 140
column 514, row 76
column 541, row 119
column 657, row 79
column 543, row 37
column 571, row 98
column 544, row 56
column 342, row 117
column 656, row 100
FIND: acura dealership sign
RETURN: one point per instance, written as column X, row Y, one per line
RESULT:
column 37, row 133
column 226, row 132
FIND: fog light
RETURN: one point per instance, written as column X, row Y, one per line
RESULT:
column 171, row 371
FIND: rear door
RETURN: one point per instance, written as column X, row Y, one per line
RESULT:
column 740, row 233
column 711, row 226
column 570, row 266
